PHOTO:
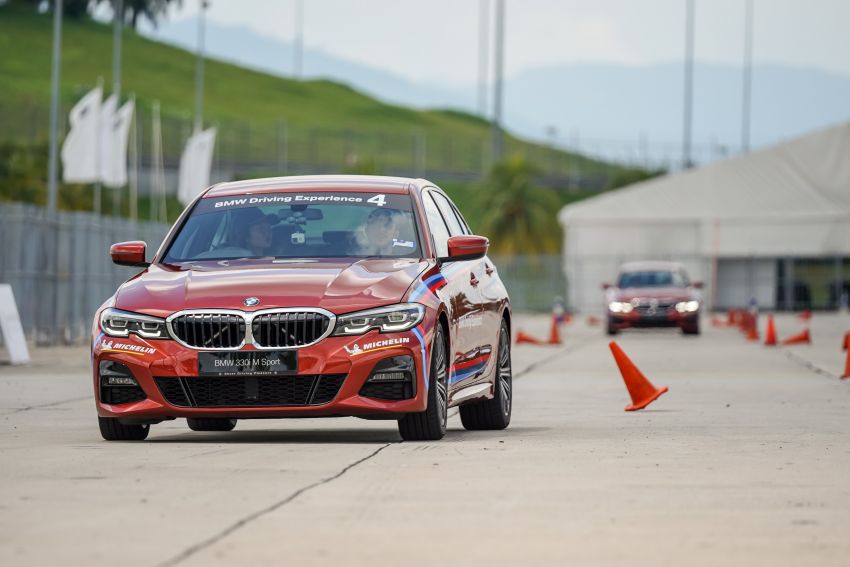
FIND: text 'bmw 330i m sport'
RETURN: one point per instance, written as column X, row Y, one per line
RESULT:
column 307, row 297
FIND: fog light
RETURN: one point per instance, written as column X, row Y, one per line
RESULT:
column 389, row 377
column 120, row 381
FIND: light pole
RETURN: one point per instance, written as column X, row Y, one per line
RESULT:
column 199, row 68
column 52, row 167
column 689, row 83
column 499, row 60
column 748, row 77
column 298, row 44
column 483, row 55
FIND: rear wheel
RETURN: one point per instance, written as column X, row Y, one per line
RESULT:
column 113, row 430
column 494, row 413
column 211, row 423
column 430, row 425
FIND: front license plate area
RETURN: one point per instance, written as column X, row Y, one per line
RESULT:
column 248, row 363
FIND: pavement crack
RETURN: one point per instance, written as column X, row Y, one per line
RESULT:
column 41, row 406
column 810, row 365
column 241, row 523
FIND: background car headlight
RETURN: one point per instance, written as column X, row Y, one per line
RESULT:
column 390, row 319
column 117, row 323
column 620, row 307
column 687, row 306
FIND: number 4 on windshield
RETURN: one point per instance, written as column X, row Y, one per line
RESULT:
column 379, row 200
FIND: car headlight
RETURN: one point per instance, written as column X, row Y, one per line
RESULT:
column 390, row 319
column 620, row 307
column 117, row 323
column 687, row 306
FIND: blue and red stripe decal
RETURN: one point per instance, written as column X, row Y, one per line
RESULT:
column 468, row 368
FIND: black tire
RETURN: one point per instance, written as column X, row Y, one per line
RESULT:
column 611, row 329
column 210, row 423
column 113, row 430
column 691, row 327
column 430, row 425
column 494, row 413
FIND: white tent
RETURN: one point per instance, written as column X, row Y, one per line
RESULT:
column 730, row 222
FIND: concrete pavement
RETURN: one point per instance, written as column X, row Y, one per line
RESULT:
column 744, row 462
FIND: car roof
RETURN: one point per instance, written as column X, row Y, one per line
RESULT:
column 345, row 183
column 650, row 265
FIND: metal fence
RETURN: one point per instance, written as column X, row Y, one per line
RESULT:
column 60, row 270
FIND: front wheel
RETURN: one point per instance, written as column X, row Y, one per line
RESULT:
column 494, row 413
column 691, row 327
column 113, row 430
column 430, row 425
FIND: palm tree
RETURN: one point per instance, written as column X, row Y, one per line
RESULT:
column 519, row 217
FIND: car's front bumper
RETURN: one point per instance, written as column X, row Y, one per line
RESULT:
column 350, row 358
column 669, row 318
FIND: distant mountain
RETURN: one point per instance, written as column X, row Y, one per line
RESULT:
column 609, row 103
column 241, row 45
column 616, row 110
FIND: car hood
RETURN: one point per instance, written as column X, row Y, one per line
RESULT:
column 660, row 293
column 339, row 286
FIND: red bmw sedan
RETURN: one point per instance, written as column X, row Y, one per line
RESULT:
column 311, row 296
column 653, row 294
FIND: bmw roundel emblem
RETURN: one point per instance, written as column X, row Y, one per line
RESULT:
column 251, row 301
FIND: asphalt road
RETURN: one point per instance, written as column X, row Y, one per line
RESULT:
column 745, row 461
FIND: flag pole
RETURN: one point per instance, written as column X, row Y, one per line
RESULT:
column 134, row 165
column 199, row 68
column 55, row 73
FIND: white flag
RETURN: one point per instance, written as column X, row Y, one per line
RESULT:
column 80, row 151
column 115, row 134
column 195, row 164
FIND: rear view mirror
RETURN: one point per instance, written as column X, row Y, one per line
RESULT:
column 606, row 285
column 129, row 254
column 467, row 247
column 697, row 285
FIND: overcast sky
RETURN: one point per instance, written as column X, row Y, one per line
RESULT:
column 437, row 40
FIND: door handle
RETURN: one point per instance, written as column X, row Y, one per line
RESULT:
column 488, row 270
column 473, row 281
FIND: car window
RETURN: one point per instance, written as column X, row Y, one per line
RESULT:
column 297, row 225
column 437, row 225
column 455, row 228
column 651, row 278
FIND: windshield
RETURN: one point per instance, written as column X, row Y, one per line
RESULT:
column 652, row 278
column 297, row 225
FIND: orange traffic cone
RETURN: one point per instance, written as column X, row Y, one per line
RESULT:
column 752, row 329
column 799, row 338
column 640, row 389
column 554, row 335
column 805, row 315
column 846, row 374
column 770, row 334
column 846, row 344
column 593, row 321
column 527, row 339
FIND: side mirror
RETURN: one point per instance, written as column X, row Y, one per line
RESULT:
column 467, row 248
column 606, row 286
column 129, row 254
column 697, row 285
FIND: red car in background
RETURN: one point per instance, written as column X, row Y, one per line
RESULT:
column 307, row 297
column 653, row 294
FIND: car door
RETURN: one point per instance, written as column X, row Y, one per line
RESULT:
column 469, row 356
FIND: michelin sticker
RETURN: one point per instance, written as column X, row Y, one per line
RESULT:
column 124, row 347
column 375, row 345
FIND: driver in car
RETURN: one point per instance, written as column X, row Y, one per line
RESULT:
column 380, row 231
column 257, row 235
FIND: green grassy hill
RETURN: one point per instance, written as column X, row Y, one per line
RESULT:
column 324, row 120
